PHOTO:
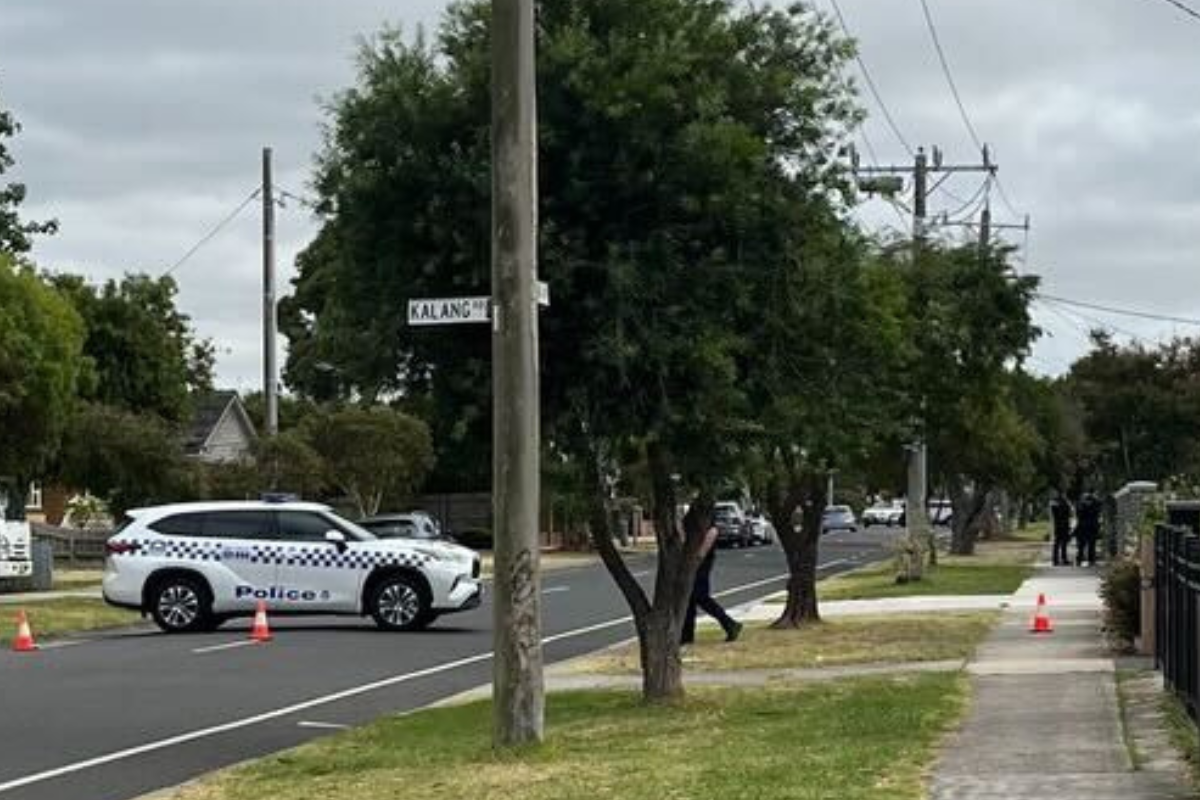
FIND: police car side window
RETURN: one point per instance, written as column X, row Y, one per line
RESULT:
column 180, row 525
column 239, row 525
column 302, row 526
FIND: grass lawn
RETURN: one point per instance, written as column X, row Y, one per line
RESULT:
column 845, row 740
column 72, row 579
column 837, row 642
column 50, row 618
column 996, row 568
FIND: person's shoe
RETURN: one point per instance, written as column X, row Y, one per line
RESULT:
column 734, row 632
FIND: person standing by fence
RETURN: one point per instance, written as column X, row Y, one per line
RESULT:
column 1060, row 513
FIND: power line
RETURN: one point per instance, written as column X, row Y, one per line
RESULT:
column 206, row 238
column 1124, row 312
column 862, row 65
column 1184, row 8
column 1099, row 323
column 941, row 54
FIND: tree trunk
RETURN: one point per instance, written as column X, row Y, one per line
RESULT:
column 969, row 508
column 662, row 667
column 802, row 549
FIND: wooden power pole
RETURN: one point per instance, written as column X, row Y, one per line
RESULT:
column 270, row 369
column 518, row 690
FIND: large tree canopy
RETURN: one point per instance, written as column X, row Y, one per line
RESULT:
column 142, row 353
column 685, row 146
column 40, row 342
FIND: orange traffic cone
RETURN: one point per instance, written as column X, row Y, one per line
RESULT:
column 24, row 642
column 261, row 632
column 1041, row 620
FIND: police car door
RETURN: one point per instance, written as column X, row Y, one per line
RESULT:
column 316, row 575
column 243, row 543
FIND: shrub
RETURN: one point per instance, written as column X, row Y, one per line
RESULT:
column 1121, row 590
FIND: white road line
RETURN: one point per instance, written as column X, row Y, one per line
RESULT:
column 323, row 726
column 643, row 573
column 60, row 645
column 316, row 702
column 227, row 646
column 835, row 562
column 556, row 589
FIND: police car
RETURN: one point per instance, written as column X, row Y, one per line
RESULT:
column 192, row 566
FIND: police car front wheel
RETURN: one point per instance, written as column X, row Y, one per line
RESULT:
column 398, row 603
column 180, row 605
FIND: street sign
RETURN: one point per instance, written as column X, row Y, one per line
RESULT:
column 456, row 310
column 449, row 310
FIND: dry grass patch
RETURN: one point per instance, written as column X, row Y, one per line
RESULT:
column 837, row 642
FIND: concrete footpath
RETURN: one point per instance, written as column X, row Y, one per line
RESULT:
column 1045, row 722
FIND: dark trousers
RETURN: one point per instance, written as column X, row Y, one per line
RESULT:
column 1062, row 542
column 702, row 598
column 1087, row 548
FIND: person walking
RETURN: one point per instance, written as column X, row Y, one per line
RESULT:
column 1087, row 530
column 1060, row 513
column 702, row 596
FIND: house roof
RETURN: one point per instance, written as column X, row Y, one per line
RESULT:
column 208, row 409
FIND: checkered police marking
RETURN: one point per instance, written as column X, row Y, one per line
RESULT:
column 316, row 557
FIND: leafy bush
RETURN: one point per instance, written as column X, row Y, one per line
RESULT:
column 1121, row 589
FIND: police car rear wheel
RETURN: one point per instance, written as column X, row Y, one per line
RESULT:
column 398, row 604
column 181, row 605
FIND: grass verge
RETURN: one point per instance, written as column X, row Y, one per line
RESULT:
column 838, row 642
column 850, row 740
column 51, row 618
column 1182, row 732
column 996, row 568
column 73, row 579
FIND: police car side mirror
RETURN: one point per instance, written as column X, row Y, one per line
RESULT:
column 336, row 538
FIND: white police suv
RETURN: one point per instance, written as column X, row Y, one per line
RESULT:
column 192, row 566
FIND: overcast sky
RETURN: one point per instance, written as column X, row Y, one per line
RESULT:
column 144, row 121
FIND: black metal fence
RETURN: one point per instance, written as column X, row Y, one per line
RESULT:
column 1177, row 612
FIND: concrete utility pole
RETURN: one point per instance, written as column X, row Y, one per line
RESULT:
column 916, row 512
column 518, row 690
column 270, row 370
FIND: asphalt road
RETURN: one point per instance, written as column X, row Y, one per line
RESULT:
column 114, row 716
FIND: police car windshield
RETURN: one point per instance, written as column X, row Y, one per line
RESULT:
column 357, row 531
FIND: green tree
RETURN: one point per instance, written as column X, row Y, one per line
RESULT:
column 1141, row 406
column 372, row 454
column 40, row 361
column 15, row 235
column 973, row 328
column 829, row 368
column 680, row 141
column 142, row 350
column 125, row 458
column 286, row 462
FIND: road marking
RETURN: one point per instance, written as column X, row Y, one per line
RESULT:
column 323, row 726
column 316, row 702
column 643, row 573
column 836, row 562
column 556, row 589
column 60, row 645
column 227, row 646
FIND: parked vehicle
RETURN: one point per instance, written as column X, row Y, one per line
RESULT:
column 880, row 513
column 16, row 553
column 761, row 529
column 733, row 528
column 838, row 518
column 192, row 566
column 939, row 512
column 411, row 525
